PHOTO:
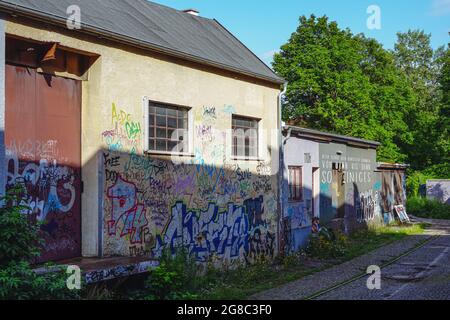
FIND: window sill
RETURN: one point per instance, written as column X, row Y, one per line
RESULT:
column 176, row 154
column 246, row 159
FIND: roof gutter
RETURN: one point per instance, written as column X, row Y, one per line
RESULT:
column 105, row 34
column 331, row 137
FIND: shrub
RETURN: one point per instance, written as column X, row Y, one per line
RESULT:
column 177, row 277
column 417, row 178
column 426, row 208
column 19, row 282
column 19, row 243
column 327, row 245
column 19, row 236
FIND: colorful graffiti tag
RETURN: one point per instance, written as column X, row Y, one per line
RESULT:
column 225, row 233
column 51, row 193
column 207, row 205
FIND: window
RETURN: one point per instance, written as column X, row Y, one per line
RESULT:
column 295, row 184
column 245, row 137
column 168, row 128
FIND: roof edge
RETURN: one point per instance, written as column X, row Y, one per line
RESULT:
column 245, row 46
column 9, row 8
column 332, row 136
column 387, row 165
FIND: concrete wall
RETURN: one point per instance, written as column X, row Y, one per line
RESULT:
column 361, row 186
column 439, row 190
column 207, row 201
column 304, row 153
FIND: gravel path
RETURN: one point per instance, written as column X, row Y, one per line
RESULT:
column 326, row 279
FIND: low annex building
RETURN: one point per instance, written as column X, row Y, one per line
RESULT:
column 335, row 179
column 143, row 129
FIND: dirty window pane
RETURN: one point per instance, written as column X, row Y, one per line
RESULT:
column 245, row 137
column 161, row 133
column 161, row 145
column 295, row 184
column 172, row 122
column 164, row 123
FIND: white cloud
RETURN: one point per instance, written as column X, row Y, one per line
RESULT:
column 440, row 8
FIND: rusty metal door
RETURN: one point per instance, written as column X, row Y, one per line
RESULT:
column 42, row 136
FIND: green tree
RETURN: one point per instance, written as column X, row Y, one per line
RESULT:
column 423, row 66
column 345, row 83
column 443, row 123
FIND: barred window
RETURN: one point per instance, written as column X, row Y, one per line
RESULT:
column 295, row 184
column 245, row 137
column 168, row 128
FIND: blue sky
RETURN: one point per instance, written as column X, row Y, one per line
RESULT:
column 264, row 25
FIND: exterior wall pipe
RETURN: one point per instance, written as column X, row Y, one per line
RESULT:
column 2, row 108
column 280, row 162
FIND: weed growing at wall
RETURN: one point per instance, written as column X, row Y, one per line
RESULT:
column 19, row 237
column 178, row 277
column 328, row 244
column 19, row 282
column 19, row 244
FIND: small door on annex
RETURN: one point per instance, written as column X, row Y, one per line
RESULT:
column 43, row 124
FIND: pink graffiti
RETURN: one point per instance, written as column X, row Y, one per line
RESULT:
column 127, row 211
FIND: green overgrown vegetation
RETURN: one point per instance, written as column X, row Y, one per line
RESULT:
column 19, row 244
column 342, row 247
column 426, row 208
column 349, row 84
column 181, row 278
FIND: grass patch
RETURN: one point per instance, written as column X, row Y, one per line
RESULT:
column 425, row 208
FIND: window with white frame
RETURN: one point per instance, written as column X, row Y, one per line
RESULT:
column 245, row 137
column 168, row 128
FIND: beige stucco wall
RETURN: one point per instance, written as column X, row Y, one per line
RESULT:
column 125, row 77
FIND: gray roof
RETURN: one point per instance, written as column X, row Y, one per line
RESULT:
column 153, row 26
column 331, row 137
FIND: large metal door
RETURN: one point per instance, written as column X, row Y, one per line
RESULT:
column 42, row 136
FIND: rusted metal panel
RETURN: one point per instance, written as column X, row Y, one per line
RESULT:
column 387, row 192
column 43, row 130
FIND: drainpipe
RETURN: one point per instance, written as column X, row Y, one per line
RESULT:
column 2, row 109
column 280, row 163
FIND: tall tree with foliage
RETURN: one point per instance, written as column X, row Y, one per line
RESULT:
column 422, row 66
column 347, row 84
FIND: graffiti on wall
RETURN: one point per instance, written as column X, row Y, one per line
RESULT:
column 439, row 190
column 207, row 205
column 367, row 206
column 126, row 133
column 119, row 271
column 50, row 191
column 231, row 233
column 348, row 186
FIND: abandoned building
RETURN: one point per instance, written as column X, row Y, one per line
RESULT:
column 143, row 130
column 336, row 179
column 146, row 129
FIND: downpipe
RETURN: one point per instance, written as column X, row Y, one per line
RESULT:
column 280, row 164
